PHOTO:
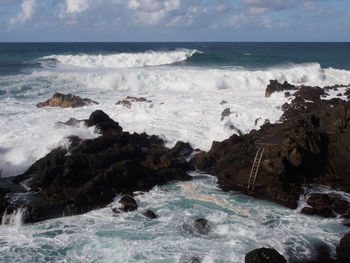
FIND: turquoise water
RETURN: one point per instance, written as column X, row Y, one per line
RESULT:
column 239, row 224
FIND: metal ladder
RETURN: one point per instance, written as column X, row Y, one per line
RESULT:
column 255, row 168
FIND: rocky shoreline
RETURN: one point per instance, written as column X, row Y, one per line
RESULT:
column 310, row 145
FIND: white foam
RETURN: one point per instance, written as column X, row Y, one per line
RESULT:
column 122, row 60
column 103, row 236
column 185, row 104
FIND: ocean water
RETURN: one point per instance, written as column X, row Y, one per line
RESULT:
column 186, row 83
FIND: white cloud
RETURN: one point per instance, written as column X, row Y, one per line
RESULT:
column 257, row 7
column 28, row 9
column 77, row 6
column 152, row 12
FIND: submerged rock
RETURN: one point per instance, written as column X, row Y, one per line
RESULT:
column 226, row 112
column 150, row 214
column 127, row 102
column 66, row 101
column 197, row 226
column 90, row 173
column 264, row 255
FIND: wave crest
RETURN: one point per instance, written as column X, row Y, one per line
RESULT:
column 125, row 60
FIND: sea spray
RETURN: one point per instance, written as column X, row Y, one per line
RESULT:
column 13, row 218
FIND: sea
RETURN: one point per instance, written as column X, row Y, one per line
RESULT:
column 188, row 86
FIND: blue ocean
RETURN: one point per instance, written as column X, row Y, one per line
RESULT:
column 187, row 87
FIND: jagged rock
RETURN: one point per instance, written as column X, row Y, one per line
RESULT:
column 128, row 203
column 150, row 214
column 90, row 173
column 320, row 204
column 127, row 102
column 275, row 86
column 264, row 255
column 343, row 249
column 66, row 101
column 310, row 93
column 325, row 205
column 182, row 148
column 311, row 145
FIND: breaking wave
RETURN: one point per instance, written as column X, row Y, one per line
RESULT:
column 125, row 60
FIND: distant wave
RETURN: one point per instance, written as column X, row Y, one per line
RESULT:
column 125, row 60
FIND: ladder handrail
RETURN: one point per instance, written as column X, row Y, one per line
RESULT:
column 251, row 172
column 255, row 168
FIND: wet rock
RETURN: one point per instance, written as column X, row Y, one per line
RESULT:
column 326, row 206
column 226, row 112
column 275, row 86
column 127, row 102
column 150, row 214
column 310, row 145
column 66, row 101
column 3, row 202
column 182, row 148
column 197, row 226
column 343, row 249
column 264, row 255
column 310, row 93
column 128, row 203
column 90, row 173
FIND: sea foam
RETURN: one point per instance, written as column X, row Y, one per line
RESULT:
column 122, row 60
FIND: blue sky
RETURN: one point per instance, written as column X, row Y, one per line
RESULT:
column 174, row 20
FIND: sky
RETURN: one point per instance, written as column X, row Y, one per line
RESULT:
column 174, row 20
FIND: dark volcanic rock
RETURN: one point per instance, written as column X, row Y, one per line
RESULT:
column 311, row 145
column 275, row 86
column 264, row 255
column 343, row 250
column 326, row 206
column 90, row 173
column 128, row 203
column 127, row 102
column 150, row 214
column 66, row 101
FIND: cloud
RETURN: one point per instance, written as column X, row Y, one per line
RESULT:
column 77, row 6
column 28, row 9
column 257, row 7
column 152, row 12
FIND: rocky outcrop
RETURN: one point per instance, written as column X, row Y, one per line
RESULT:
column 127, row 102
column 275, row 86
column 264, row 255
column 311, row 145
column 90, row 173
column 343, row 249
column 66, row 101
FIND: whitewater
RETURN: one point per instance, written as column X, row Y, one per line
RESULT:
column 187, row 97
